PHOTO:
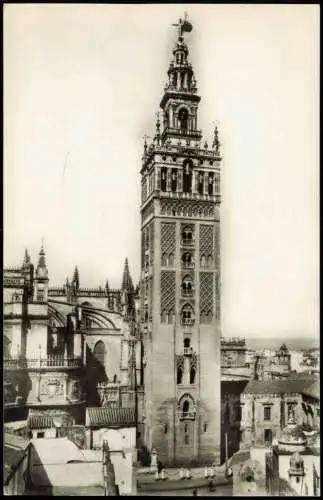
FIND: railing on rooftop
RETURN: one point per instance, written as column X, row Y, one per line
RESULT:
column 48, row 362
column 238, row 341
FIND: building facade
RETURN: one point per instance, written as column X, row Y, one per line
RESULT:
column 180, row 275
column 69, row 347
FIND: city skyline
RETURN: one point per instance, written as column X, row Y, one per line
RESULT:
column 73, row 179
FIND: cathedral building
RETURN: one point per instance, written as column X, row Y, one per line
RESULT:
column 68, row 347
column 180, row 275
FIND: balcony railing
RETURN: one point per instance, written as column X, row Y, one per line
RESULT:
column 187, row 321
column 188, row 265
column 188, row 351
column 189, row 415
column 48, row 362
column 187, row 293
column 187, row 242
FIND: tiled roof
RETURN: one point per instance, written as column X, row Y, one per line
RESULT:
column 15, row 441
column 284, row 386
column 12, row 459
column 40, row 422
column 111, row 417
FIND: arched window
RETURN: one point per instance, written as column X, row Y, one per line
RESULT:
column 164, row 259
column 201, row 183
column 170, row 316
column 187, row 259
column 179, row 375
column 163, row 179
column 187, row 176
column 210, row 186
column 99, row 352
column 187, row 285
column 174, row 180
column 183, row 120
column 187, row 234
column 203, row 260
column 186, row 407
column 192, row 376
column 171, row 259
column 187, row 314
column 187, row 342
column 114, row 378
column 209, row 260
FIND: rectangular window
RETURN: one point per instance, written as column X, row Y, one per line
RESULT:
column 40, row 295
column 268, row 435
column 241, row 436
column 318, row 412
column 267, row 413
column 165, row 429
column 186, row 439
column 205, row 427
column 40, row 434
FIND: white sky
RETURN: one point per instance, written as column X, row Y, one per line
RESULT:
column 82, row 84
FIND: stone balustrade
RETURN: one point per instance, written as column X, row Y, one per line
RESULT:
column 47, row 363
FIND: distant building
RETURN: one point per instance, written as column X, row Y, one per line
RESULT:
column 265, row 406
column 234, row 365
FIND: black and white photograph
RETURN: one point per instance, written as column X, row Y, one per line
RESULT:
column 161, row 326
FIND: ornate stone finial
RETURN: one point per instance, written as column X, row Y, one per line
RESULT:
column 216, row 143
column 76, row 278
column 145, row 144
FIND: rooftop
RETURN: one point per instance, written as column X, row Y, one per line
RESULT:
column 110, row 417
column 12, row 458
column 308, row 386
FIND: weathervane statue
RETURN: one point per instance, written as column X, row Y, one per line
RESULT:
column 183, row 25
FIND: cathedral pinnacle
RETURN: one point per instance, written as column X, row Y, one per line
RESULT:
column 126, row 278
column 76, row 278
column 216, row 142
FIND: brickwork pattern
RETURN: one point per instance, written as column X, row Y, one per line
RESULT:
column 167, row 285
column 206, row 292
column 206, row 240
column 168, row 237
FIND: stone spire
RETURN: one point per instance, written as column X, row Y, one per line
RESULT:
column 26, row 259
column 76, row 278
column 126, row 278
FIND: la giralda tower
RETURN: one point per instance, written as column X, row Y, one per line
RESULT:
column 180, row 275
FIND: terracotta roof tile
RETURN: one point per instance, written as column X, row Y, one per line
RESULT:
column 112, row 417
column 40, row 422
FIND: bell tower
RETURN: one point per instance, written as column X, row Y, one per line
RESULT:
column 180, row 275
